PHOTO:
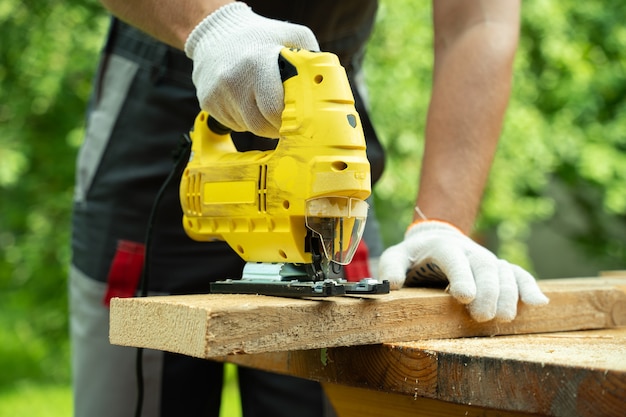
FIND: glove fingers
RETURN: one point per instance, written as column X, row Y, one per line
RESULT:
column 529, row 291
column 249, row 97
column 269, row 94
column 269, row 97
column 491, row 287
column 486, row 274
column 509, row 295
column 392, row 266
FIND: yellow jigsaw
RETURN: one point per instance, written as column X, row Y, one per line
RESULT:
column 293, row 211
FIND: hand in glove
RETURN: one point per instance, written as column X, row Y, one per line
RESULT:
column 437, row 253
column 235, row 56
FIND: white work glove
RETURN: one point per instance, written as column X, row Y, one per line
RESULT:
column 235, row 66
column 437, row 253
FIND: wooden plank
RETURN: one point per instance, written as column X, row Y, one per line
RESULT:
column 555, row 374
column 212, row 325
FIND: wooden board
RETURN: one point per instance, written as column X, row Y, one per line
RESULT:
column 566, row 374
column 213, row 325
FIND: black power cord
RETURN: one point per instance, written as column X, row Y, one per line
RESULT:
column 181, row 157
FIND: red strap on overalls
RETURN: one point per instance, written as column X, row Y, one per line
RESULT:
column 125, row 271
column 359, row 267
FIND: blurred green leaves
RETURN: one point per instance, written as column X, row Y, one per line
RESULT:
column 47, row 60
column 398, row 69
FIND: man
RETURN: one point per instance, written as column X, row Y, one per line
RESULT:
column 144, row 97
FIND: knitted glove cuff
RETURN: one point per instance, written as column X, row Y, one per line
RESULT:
column 428, row 225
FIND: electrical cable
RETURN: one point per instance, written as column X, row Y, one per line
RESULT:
column 181, row 157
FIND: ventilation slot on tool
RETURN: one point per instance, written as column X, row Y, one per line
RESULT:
column 194, row 199
column 262, row 187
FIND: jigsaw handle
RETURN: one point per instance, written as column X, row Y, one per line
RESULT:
column 317, row 93
column 214, row 134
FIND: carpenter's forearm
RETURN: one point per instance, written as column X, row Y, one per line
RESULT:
column 471, row 88
column 170, row 21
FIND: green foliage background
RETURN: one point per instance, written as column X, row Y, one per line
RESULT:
column 47, row 57
column 561, row 164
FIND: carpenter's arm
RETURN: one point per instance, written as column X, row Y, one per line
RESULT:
column 475, row 43
column 169, row 21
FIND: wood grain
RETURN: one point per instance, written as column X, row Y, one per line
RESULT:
column 212, row 325
column 555, row 374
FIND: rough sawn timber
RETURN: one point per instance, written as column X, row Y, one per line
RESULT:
column 564, row 374
column 211, row 325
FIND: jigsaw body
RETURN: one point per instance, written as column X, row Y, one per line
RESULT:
column 292, row 211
